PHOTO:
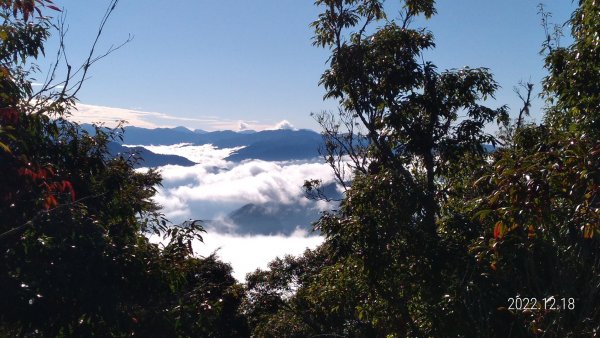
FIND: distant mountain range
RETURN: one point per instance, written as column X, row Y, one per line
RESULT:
column 146, row 157
column 272, row 218
column 267, row 145
column 265, row 219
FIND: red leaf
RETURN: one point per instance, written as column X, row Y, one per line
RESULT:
column 499, row 230
column 588, row 231
column 50, row 202
column 69, row 186
column 531, row 232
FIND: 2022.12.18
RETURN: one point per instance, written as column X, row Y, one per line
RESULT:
column 518, row 303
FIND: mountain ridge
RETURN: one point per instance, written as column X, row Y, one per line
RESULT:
column 266, row 145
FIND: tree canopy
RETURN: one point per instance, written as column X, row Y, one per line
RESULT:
column 443, row 225
column 76, row 260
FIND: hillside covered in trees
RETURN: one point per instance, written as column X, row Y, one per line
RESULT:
column 437, row 233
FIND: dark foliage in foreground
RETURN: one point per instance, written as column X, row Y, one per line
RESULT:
column 75, row 260
column 434, row 236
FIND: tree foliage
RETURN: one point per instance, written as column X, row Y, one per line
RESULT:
column 541, row 196
column 76, row 260
column 435, row 234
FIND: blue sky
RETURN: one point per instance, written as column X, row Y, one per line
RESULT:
column 207, row 62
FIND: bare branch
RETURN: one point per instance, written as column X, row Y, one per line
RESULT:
column 55, row 97
column 524, row 111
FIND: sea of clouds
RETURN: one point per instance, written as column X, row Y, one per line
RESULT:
column 214, row 187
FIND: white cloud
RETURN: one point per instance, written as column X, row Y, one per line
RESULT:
column 243, row 126
column 206, row 154
column 215, row 186
column 174, row 207
column 248, row 253
column 251, row 181
column 285, row 124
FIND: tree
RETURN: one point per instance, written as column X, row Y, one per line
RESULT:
column 540, row 197
column 75, row 257
column 310, row 295
column 410, row 112
column 435, row 235
column 573, row 97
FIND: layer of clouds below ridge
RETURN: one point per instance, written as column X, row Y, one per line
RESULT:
column 215, row 187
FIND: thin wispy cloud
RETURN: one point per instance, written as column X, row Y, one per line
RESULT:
column 111, row 116
column 38, row 84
